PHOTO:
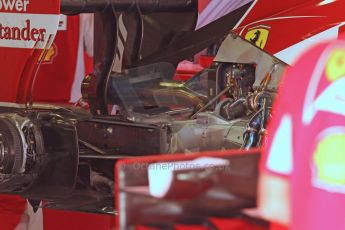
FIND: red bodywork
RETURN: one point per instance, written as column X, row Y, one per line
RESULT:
column 291, row 26
column 294, row 22
column 18, row 65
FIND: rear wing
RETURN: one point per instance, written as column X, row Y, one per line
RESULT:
column 165, row 190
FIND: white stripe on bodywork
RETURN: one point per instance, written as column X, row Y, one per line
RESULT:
column 290, row 54
column 331, row 100
column 280, row 158
column 277, row 18
column 85, row 43
column 117, row 66
column 245, row 15
column 217, row 9
column 333, row 94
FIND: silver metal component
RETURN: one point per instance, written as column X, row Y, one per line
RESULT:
column 207, row 132
column 234, row 49
column 19, row 123
column 92, row 147
column 211, row 102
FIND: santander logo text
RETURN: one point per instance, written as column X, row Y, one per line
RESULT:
column 28, row 24
column 14, row 5
column 26, row 33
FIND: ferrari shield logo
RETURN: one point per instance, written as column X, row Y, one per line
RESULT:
column 50, row 55
column 258, row 35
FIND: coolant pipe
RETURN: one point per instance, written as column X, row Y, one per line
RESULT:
column 236, row 109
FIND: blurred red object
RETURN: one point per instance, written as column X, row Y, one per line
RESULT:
column 57, row 220
column 190, row 227
column 206, row 61
column 145, row 228
column 11, row 211
column 235, row 224
column 219, row 223
column 186, row 69
column 275, row 226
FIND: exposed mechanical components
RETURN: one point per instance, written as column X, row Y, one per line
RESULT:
column 38, row 152
column 11, row 148
column 147, row 91
column 66, row 156
column 21, row 148
column 229, row 109
column 239, row 78
column 244, row 102
column 234, row 82
column 260, row 102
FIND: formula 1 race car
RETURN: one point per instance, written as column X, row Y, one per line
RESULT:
column 65, row 156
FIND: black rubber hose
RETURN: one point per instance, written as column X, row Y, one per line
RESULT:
column 251, row 136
